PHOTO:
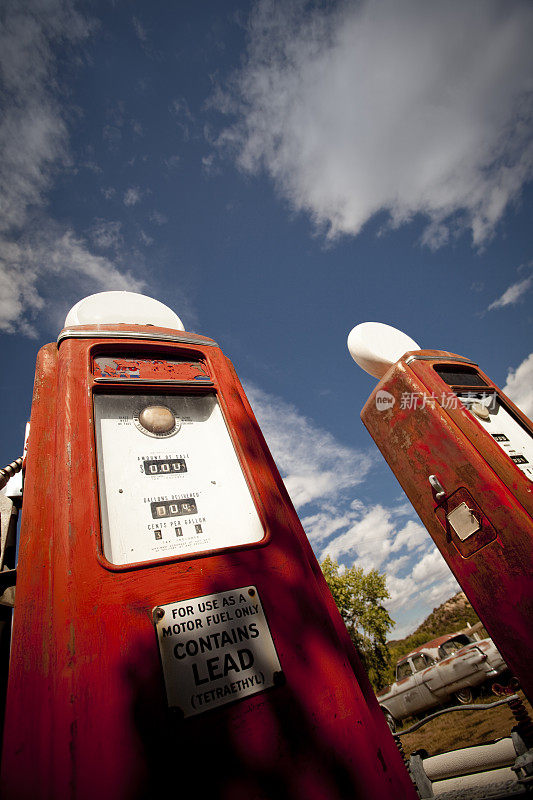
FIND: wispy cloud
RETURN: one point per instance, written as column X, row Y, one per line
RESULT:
column 512, row 294
column 313, row 463
column 33, row 135
column 157, row 218
column 106, row 234
column 387, row 539
column 48, row 259
column 519, row 386
column 323, row 477
column 42, row 264
column 209, row 165
column 172, row 162
column 409, row 108
column 145, row 238
column 132, row 196
column 179, row 108
column 139, row 29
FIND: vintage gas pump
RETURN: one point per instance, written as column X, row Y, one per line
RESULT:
column 172, row 628
column 463, row 453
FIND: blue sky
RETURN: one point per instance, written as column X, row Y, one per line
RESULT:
column 277, row 172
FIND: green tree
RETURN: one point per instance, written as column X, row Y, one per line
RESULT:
column 359, row 597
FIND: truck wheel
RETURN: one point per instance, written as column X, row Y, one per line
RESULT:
column 464, row 696
column 391, row 722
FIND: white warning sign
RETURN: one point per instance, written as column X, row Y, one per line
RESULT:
column 215, row 649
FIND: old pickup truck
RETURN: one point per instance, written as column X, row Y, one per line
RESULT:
column 445, row 668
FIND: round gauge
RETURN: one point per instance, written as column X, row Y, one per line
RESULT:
column 157, row 421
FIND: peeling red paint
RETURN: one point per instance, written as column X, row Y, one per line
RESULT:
column 123, row 368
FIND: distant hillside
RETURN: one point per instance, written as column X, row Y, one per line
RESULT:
column 453, row 615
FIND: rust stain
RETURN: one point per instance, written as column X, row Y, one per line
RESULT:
column 149, row 368
column 72, row 641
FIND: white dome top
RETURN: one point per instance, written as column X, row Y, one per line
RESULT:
column 376, row 347
column 111, row 308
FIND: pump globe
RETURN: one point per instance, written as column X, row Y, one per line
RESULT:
column 111, row 308
column 376, row 346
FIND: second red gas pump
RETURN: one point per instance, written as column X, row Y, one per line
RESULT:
column 463, row 453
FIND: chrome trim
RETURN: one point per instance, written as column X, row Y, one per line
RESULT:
column 154, row 380
column 440, row 358
column 73, row 333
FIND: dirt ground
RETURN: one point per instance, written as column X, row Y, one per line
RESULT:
column 462, row 728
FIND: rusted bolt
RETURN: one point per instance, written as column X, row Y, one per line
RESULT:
column 159, row 613
column 251, row 592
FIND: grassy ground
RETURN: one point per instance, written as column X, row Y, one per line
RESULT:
column 462, row 728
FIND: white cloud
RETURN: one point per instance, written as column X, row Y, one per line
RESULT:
column 33, row 134
column 184, row 119
column 106, row 234
column 139, row 29
column 369, row 539
column 411, row 537
column 430, row 567
column 409, row 108
column 414, row 601
column 31, row 266
column 402, row 591
column 372, row 538
column 512, row 294
column 399, row 564
column 42, row 264
column 322, row 476
column 180, row 108
column 209, row 165
column 145, row 239
column 132, row 196
column 372, row 534
column 172, row 162
column 424, row 586
column 31, row 139
column 313, row 463
column 519, row 385
column 112, row 135
column 157, row 218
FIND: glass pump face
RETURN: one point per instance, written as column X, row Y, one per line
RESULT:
column 170, row 480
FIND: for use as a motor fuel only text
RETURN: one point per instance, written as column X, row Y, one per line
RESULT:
column 215, row 649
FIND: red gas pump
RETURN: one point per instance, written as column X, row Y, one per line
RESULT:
column 172, row 627
column 463, row 453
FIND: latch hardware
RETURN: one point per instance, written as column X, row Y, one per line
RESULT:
column 438, row 488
